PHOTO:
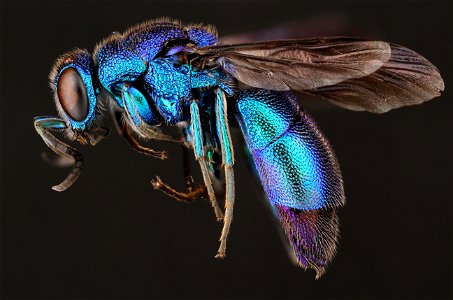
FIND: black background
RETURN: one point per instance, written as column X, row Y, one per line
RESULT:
column 112, row 236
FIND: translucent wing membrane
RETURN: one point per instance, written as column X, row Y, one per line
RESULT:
column 406, row 79
column 299, row 64
column 352, row 73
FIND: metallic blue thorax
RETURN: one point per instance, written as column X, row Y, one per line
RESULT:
column 169, row 87
column 136, row 58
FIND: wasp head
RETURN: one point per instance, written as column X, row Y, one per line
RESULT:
column 76, row 95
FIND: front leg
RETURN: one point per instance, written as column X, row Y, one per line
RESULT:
column 125, row 130
column 43, row 126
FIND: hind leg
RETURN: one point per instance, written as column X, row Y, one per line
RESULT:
column 228, row 161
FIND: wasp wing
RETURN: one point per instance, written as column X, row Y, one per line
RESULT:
column 298, row 64
column 352, row 73
column 406, row 79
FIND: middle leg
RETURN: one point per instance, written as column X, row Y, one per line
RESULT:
column 193, row 192
column 200, row 156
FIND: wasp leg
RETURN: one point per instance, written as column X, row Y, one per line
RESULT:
column 228, row 161
column 142, row 117
column 43, row 126
column 125, row 130
column 193, row 193
column 200, row 157
column 186, row 167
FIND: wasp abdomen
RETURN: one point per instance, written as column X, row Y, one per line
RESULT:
column 298, row 171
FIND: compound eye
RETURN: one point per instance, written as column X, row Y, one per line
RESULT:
column 72, row 94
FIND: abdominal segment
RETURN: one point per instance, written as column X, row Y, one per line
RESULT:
column 312, row 234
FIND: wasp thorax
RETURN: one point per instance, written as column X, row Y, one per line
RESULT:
column 72, row 94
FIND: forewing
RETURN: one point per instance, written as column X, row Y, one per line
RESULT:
column 298, row 64
column 406, row 79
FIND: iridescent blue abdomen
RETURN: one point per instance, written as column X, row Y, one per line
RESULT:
column 294, row 161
